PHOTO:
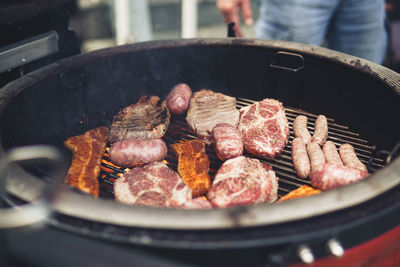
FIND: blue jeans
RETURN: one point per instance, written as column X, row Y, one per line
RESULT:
column 354, row 27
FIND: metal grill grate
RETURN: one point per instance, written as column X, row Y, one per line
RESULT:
column 179, row 131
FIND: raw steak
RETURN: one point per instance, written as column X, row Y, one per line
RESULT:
column 264, row 128
column 153, row 185
column 331, row 175
column 207, row 109
column 147, row 119
column 243, row 181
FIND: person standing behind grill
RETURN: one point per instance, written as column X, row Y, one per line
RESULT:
column 355, row 27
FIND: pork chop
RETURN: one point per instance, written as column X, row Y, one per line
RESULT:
column 243, row 181
column 153, row 185
column 264, row 128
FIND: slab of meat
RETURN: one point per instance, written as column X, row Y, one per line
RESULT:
column 243, row 181
column 193, row 165
column 88, row 150
column 264, row 128
column 198, row 203
column 147, row 119
column 153, row 185
column 331, row 176
column 227, row 140
column 134, row 152
column 207, row 109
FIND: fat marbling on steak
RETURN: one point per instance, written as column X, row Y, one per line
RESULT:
column 153, row 185
column 207, row 109
column 243, row 181
column 264, row 128
column 147, row 119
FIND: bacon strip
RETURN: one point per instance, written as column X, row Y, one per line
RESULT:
column 87, row 151
column 193, row 165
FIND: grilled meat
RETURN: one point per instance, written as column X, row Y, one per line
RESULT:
column 302, row 191
column 331, row 176
column 88, row 150
column 316, row 156
column 227, row 140
column 147, row 119
column 331, row 154
column 197, row 203
column 207, row 109
column 300, row 129
column 178, row 99
column 193, row 165
column 153, row 185
column 134, row 152
column 301, row 162
column 243, row 181
column 264, row 128
column 320, row 130
column 349, row 157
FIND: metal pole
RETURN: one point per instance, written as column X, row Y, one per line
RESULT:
column 140, row 22
column 189, row 18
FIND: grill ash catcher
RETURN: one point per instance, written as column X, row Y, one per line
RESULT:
column 82, row 92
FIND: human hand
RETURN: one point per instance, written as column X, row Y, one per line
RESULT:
column 230, row 13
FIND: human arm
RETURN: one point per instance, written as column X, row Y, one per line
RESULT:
column 230, row 13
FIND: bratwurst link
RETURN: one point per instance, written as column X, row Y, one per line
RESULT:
column 300, row 129
column 320, row 130
column 349, row 157
column 178, row 99
column 301, row 162
column 316, row 156
column 227, row 140
column 132, row 152
column 331, row 153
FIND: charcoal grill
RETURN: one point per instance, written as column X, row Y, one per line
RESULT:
column 79, row 93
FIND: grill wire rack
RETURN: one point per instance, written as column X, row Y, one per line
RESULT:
column 179, row 131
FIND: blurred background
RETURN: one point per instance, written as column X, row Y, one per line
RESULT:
column 104, row 23
column 36, row 33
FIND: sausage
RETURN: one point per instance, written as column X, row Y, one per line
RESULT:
column 300, row 129
column 133, row 152
column 300, row 159
column 178, row 99
column 227, row 140
column 316, row 156
column 320, row 130
column 349, row 157
column 331, row 154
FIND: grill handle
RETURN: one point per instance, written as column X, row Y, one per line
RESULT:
column 231, row 31
column 39, row 209
column 287, row 61
column 287, row 71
